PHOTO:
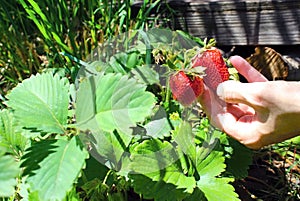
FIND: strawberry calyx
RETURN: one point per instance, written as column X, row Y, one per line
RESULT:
column 198, row 71
column 211, row 43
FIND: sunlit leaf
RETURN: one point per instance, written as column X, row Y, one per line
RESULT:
column 159, row 126
column 8, row 175
column 185, row 138
column 213, row 165
column 217, row 188
column 113, row 101
column 145, row 74
column 11, row 137
column 53, row 166
column 210, row 184
column 121, row 103
column 41, row 102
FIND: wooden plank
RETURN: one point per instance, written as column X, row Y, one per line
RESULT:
column 247, row 22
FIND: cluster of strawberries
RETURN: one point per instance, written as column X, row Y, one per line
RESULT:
column 188, row 84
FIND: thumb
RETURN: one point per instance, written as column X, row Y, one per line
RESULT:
column 236, row 92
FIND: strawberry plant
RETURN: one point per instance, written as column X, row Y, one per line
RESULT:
column 117, row 133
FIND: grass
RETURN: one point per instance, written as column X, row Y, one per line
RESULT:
column 34, row 33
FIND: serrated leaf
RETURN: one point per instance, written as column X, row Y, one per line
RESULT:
column 8, row 175
column 108, row 148
column 41, row 102
column 185, row 138
column 213, row 165
column 160, row 190
column 210, row 140
column 159, row 154
column 23, row 189
column 11, row 137
column 212, row 186
column 85, row 105
column 216, row 189
column 112, row 102
column 53, row 166
column 159, row 126
column 145, row 74
column 121, row 103
column 177, row 178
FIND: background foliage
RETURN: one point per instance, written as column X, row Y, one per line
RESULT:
column 34, row 33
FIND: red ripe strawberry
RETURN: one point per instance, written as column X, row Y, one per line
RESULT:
column 216, row 70
column 186, row 88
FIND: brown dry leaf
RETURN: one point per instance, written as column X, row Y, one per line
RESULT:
column 269, row 63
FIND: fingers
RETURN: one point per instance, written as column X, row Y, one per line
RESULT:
column 246, row 93
column 232, row 92
column 239, row 110
column 243, row 129
column 245, row 69
column 212, row 105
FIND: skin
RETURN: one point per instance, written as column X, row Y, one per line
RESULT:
column 257, row 113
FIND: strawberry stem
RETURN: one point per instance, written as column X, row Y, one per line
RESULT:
column 168, row 93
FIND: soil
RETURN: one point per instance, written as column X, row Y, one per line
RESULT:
column 271, row 178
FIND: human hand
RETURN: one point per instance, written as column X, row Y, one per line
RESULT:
column 257, row 113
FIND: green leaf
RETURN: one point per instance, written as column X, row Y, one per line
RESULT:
column 85, row 109
column 93, row 170
column 8, row 175
column 213, row 165
column 41, row 102
column 159, row 126
column 53, row 166
column 113, row 102
column 177, row 178
column 163, row 186
column 212, row 186
column 196, row 195
column 159, row 154
column 121, row 103
column 118, row 62
column 108, row 148
column 72, row 195
column 210, row 137
column 23, row 189
column 132, row 59
column 185, row 138
column 145, row 74
column 11, row 138
column 216, row 189
column 3, row 145
column 239, row 161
